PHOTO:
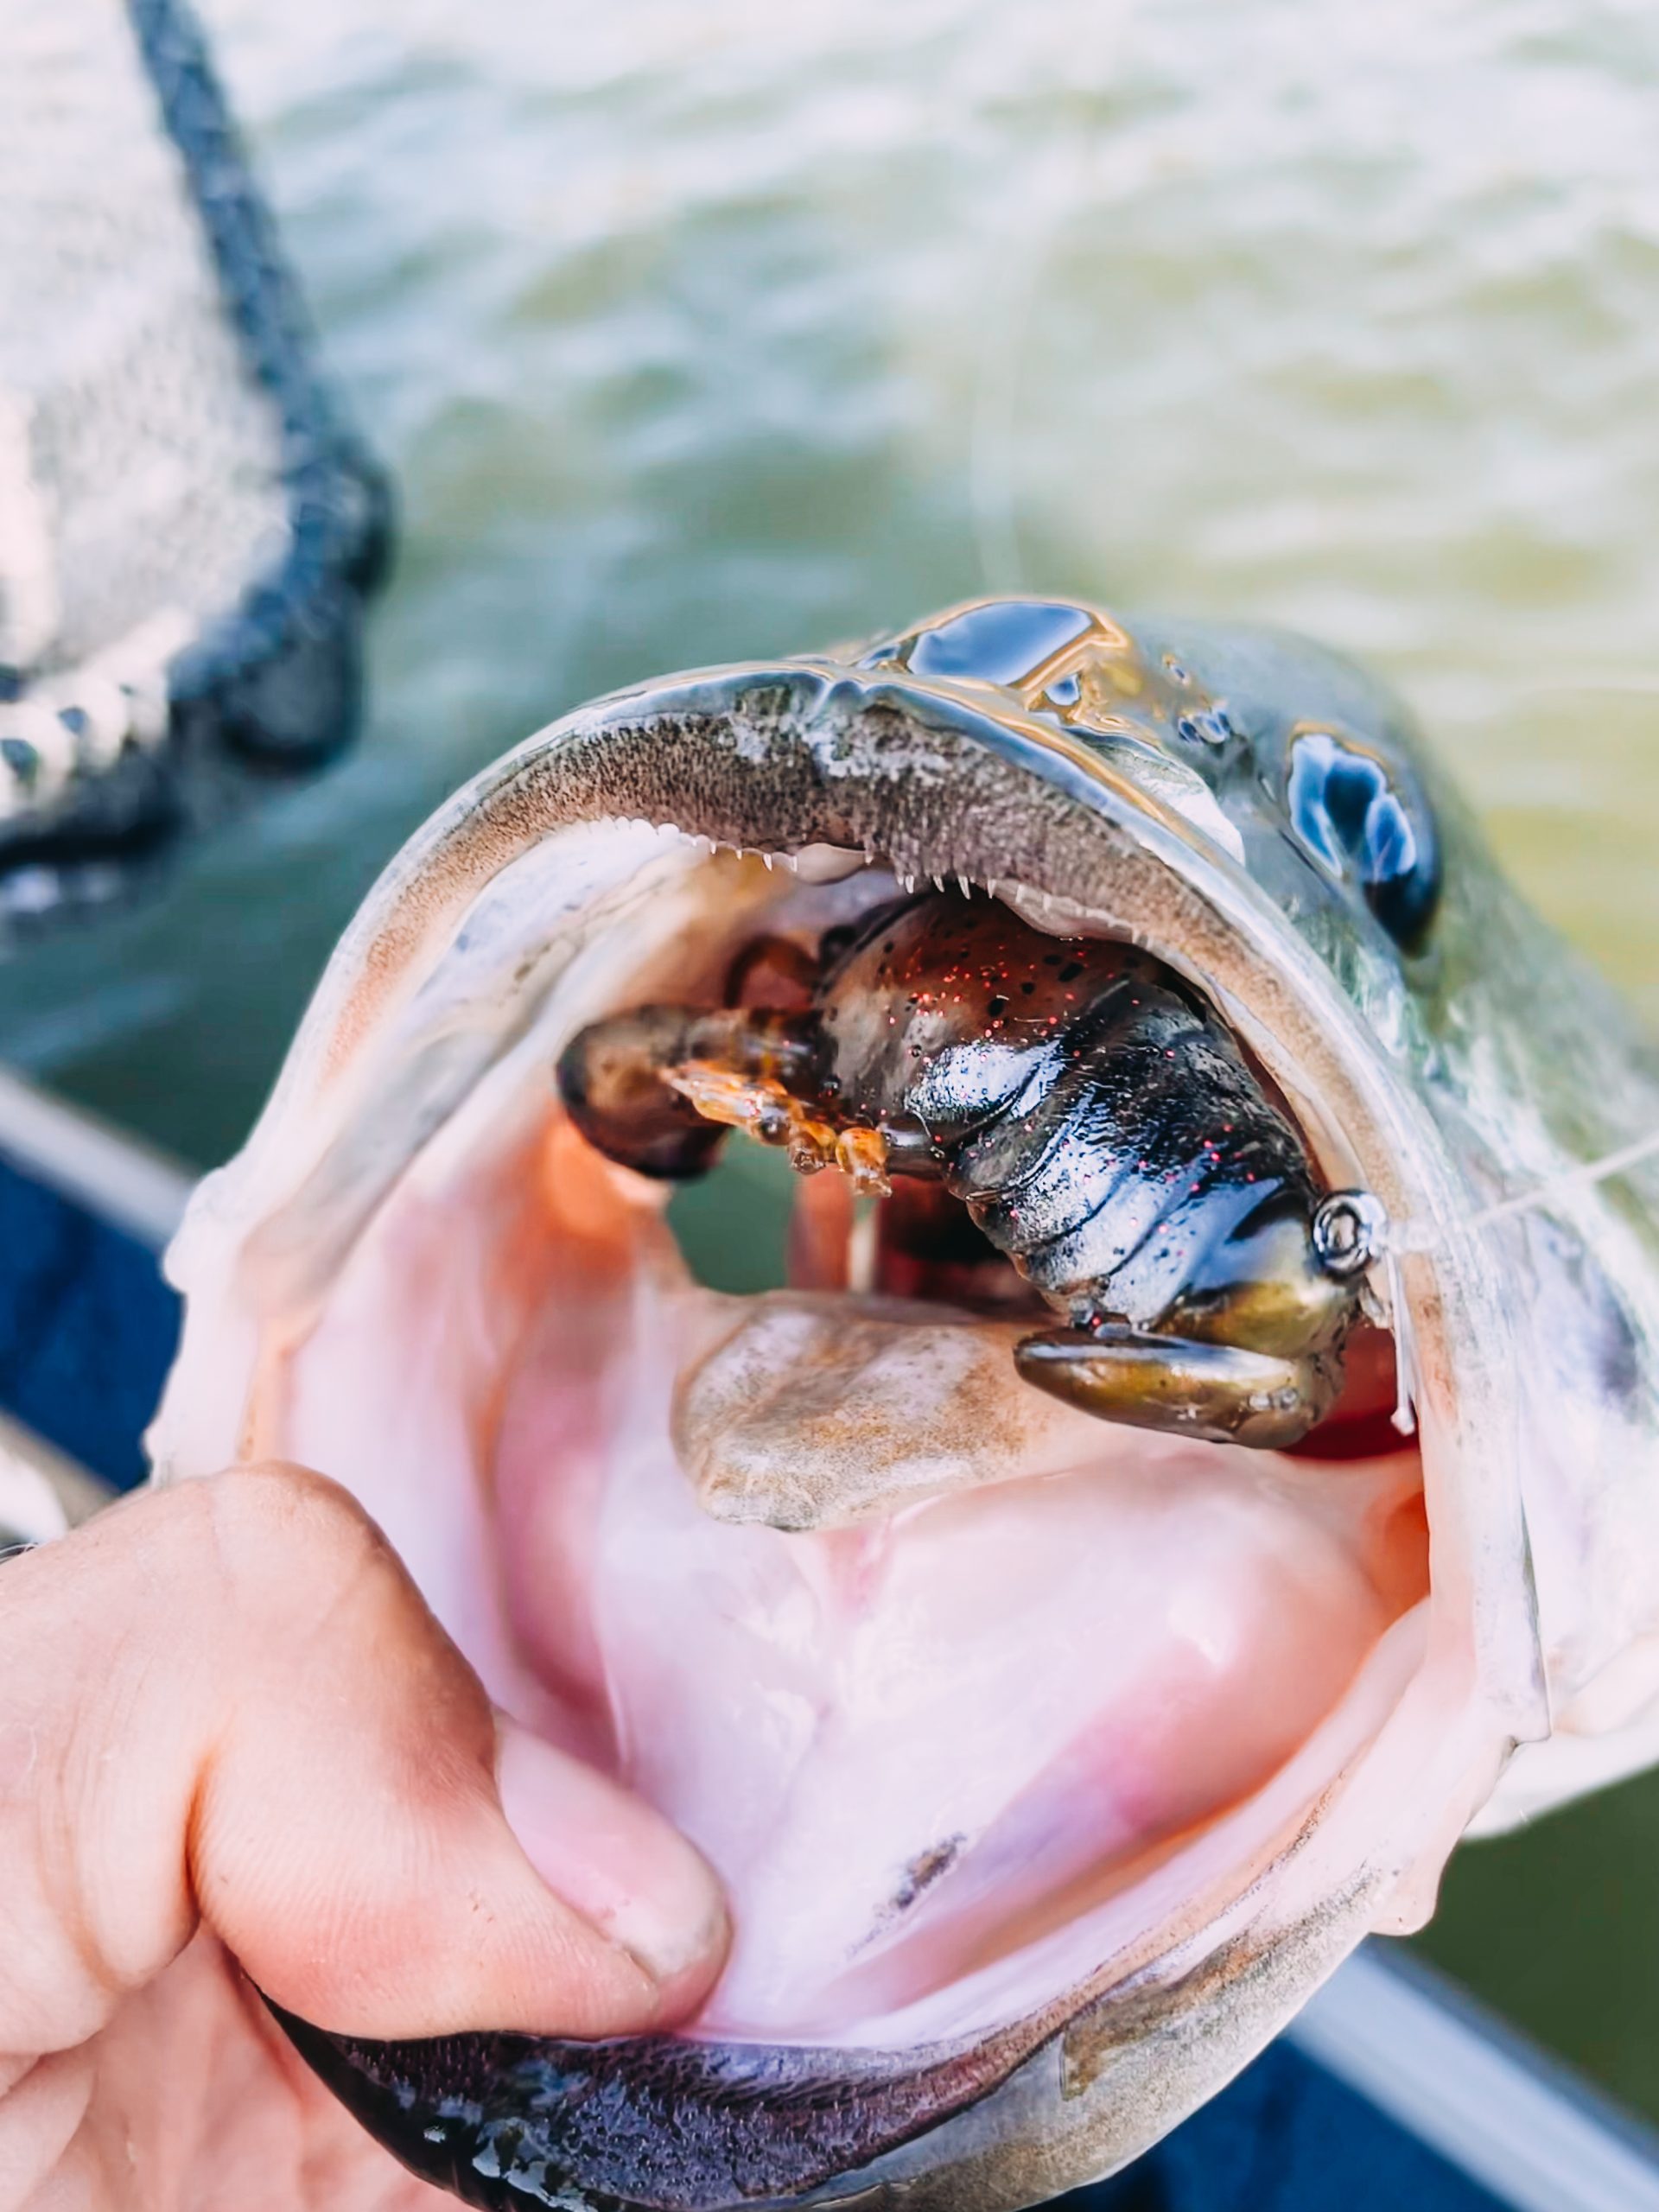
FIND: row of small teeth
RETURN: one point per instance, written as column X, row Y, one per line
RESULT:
column 819, row 864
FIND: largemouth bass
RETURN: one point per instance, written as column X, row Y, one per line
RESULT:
column 1057, row 1718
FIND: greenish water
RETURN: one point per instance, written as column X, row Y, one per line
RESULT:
column 697, row 332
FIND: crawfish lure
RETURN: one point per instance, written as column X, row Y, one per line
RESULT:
column 1097, row 1122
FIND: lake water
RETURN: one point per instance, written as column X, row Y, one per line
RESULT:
column 700, row 331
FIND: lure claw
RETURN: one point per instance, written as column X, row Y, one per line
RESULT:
column 1220, row 1394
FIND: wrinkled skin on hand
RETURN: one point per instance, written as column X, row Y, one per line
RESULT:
column 236, row 1750
column 193, row 2088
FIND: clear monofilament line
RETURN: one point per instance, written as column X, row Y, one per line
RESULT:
column 1403, row 1237
column 1404, row 1416
column 1592, row 1171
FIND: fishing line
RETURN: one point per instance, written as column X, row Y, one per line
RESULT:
column 1407, row 1375
column 1570, row 1178
column 1402, row 1237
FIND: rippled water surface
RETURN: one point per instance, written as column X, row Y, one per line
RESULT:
column 701, row 331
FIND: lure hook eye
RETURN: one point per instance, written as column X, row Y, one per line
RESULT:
column 1350, row 1231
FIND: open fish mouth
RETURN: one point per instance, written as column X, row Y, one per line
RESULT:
column 1049, row 1760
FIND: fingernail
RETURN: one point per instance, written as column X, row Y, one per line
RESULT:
column 609, row 1855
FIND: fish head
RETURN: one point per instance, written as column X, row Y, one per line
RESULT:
column 1049, row 1765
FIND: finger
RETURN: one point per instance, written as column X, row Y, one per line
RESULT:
column 39, row 2114
column 228, row 1700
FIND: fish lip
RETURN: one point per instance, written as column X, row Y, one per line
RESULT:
column 750, row 2124
column 822, row 697
column 811, row 705
column 789, row 2118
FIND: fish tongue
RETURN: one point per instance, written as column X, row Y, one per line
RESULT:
column 820, row 1410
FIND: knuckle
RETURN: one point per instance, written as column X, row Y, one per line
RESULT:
column 282, row 1538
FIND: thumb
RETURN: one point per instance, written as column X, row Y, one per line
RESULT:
column 238, row 1708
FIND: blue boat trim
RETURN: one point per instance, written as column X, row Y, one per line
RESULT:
column 1392, row 2089
column 88, row 1325
column 1518, row 2121
column 125, row 1184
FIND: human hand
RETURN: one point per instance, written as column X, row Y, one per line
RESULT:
column 236, row 1749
